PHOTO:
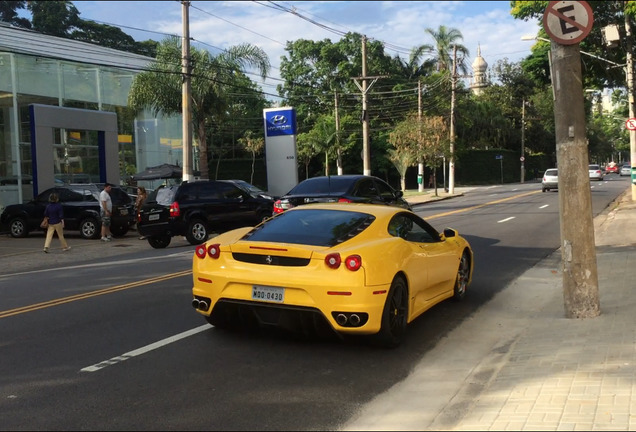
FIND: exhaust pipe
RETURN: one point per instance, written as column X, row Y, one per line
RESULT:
column 341, row 319
column 195, row 303
column 203, row 305
column 354, row 319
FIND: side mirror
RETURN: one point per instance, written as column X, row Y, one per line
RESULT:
column 399, row 194
column 449, row 232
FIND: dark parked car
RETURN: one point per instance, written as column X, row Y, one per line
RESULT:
column 81, row 211
column 345, row 189
column 194, row 210
column 253, row 190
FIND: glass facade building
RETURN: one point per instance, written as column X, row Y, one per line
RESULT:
column 46, row 70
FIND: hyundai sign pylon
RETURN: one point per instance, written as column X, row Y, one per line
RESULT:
column 280, row 149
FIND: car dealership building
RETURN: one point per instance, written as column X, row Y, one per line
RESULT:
column 64, row 116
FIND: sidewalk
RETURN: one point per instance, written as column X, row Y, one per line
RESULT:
column 518, row 364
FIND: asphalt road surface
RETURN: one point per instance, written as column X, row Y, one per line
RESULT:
column 110, row 342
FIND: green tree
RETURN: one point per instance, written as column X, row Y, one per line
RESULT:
column 159, row 88
column 54, row 17
column 9, row 13
column 597, row 73
column 305, row 150
column 254, row 145
column 445, row 39
column 404, row 152
column 111, row 37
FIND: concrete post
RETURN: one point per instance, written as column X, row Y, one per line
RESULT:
column 580, row 277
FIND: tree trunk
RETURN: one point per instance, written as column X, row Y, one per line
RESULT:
column 203, row 151
column 253, row 160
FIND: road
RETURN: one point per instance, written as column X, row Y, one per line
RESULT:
column 113, row 343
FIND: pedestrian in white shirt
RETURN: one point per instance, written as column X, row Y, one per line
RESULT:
column 106, row 211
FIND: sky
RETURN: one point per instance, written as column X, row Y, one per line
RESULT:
column 401, row 25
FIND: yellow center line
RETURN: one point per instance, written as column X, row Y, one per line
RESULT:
column 59, row 301
column 480, row 205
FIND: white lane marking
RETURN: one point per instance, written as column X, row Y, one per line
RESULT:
column 544, row 206
column 506, row 220
column 147, row 348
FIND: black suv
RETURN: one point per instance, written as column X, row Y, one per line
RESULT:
column 81, row 211
column 352, row 188
column 194, row 210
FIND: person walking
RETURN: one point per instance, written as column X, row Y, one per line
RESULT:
column 141, row 198
column 106, row 211
column 55, row 214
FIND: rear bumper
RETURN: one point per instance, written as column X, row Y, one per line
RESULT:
column 170, row 228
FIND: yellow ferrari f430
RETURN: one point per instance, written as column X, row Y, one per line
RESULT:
column 357, row 268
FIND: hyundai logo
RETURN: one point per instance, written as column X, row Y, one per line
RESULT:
column 279, row 119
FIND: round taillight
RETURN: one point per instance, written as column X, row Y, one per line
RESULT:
column 201, row 251
column 353, row 262
column 214, row 250
column 333, row 260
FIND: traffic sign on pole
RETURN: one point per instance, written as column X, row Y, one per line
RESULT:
column 568, row 22
column 630, row 124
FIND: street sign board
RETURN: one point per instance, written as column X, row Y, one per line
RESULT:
column 630, row 123
column 568, row 22
column 522, row 158
column 499, row 157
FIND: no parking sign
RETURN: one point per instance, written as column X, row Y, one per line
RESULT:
column 568, row 22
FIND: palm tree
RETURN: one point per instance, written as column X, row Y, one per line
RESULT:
column 442, row 51
column 159, row 88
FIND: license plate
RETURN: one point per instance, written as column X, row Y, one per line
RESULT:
column 153, row 217
column 123, row 212
column 268, row 294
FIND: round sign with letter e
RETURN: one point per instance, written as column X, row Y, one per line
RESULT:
column 568, row 22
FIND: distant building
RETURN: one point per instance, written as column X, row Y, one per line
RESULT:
column 480, row 80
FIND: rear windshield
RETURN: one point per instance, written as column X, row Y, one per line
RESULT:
column 311, row 227
column 163, row 195
column 551, row 172
column 595, row 167
column 336, row 185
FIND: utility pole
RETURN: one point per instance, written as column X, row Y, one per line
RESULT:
column 578, row 254
column 451, row 160
column 337, row 117
column 630, row 98
column 523, row 139
column 366, row 153
column 185, row 94
column 420, row 163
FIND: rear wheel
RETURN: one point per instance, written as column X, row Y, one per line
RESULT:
column 197, row 232
column 18, row 227
column 89, row 228
column 394, row 316
column 160, row 241
column 463, row 273
column 119, row 230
